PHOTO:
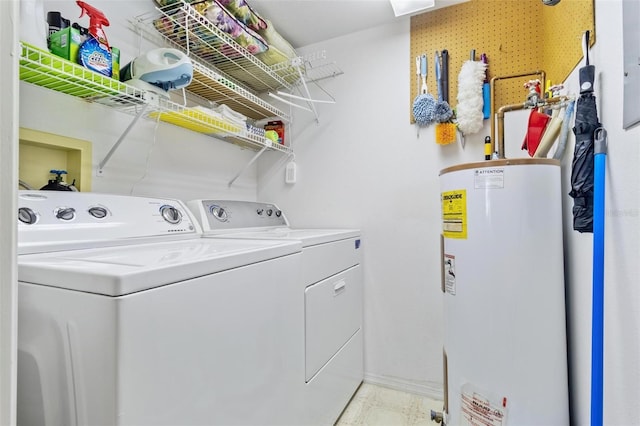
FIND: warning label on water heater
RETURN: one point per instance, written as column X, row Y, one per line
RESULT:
column 454, row 214
column 476, row 409
column 450, row 274
column 488, row 178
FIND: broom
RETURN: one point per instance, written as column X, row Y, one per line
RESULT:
column 445, row 129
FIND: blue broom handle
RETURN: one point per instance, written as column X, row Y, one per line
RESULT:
column 597, row 325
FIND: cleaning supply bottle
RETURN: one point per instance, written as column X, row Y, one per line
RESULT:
column 95, row 53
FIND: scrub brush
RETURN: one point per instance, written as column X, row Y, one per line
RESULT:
column 424, row 104
column 446, row 133
column 445, row 129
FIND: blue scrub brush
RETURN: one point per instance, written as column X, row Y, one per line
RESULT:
column 424, row 104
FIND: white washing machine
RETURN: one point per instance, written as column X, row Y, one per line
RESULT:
column 330, row 289
column 128, row 317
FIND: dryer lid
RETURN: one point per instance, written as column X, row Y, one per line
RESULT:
column 308, row 237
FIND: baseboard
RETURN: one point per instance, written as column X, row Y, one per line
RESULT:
column 430, row 390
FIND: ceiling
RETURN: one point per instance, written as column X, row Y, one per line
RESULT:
column 305, row 22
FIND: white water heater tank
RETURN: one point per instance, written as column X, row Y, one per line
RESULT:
column 505, row 352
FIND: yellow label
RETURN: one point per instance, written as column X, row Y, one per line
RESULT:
column 454, row 214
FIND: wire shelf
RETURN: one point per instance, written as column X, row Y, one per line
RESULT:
column 315, row 72
column 43, row 69
column 185, row 28
column 212, row 86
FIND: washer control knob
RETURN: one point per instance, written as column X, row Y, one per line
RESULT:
column 66, row 213
column 219, row 213
column 278, row 213
column 98, row 212
column 269, row 212
column 260, row 212
column 27, row 216
column 171, row 214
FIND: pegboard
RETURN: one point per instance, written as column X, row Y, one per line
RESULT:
column 518, row 37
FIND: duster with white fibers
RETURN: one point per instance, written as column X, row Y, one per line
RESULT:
column 469, row 110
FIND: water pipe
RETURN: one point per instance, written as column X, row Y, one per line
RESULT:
column 516, row 107
column 492, row 92
column 597, row 312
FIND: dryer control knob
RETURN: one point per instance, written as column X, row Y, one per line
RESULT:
column 171, row 214
column 66, row 213
column 219, row 213
column 27, row 216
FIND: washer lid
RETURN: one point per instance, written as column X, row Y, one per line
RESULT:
column 116, row 271
column 308, row 237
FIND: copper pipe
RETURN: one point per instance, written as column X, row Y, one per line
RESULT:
column 492, row 91
column 518, row 107
column 500, row 118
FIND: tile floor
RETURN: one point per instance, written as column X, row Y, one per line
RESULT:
column 374, row 405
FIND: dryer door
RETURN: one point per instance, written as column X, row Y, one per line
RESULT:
column 333, row 314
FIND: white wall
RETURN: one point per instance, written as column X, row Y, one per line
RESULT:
column 622, row 247
column 364, row 167
column 153, row 160
column 8, row 183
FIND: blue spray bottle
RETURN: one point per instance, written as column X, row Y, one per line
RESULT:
column 95, row 53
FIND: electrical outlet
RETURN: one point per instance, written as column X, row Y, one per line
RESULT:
column 290, row 172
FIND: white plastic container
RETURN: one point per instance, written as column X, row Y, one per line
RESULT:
column 33, row 24
column 503, row 288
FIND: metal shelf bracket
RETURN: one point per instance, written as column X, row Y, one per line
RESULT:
column 121, row 138
column 266, row 146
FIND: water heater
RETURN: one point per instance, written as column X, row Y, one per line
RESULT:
column 505, row 356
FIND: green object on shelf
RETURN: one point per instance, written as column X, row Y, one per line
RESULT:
column 41, row 68
column 65, row 43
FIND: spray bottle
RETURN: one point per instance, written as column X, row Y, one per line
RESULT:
column 95, row 53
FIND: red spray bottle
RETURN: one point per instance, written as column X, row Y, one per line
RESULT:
column 95, row 53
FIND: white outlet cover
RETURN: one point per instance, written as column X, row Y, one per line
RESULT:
column 290, row 172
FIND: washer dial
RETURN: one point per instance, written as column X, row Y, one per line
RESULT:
column 65, row 213
column 27, row 216
column 98, row 212
column 171, row 214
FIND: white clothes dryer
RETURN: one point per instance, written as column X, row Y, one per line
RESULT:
column 331, row 290
column 128, row 317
